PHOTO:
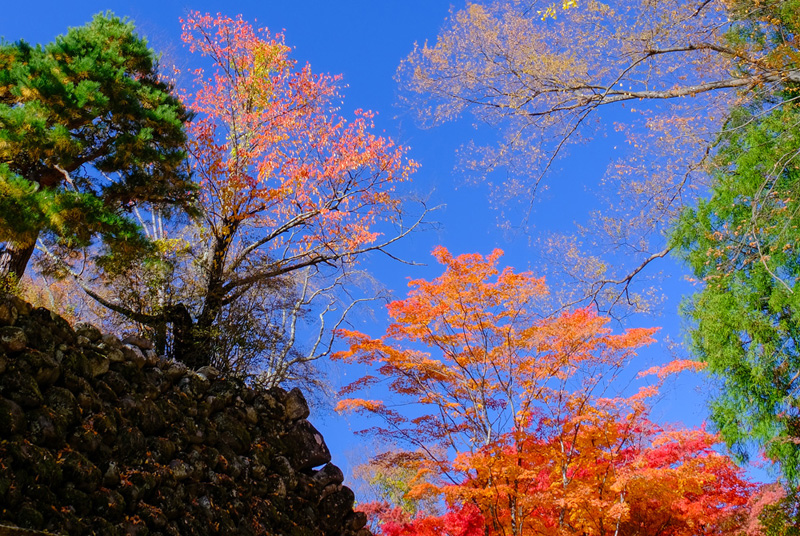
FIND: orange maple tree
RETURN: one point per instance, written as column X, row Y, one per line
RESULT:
column 519, row 415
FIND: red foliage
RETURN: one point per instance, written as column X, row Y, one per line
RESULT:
column 522, row 403
column 465, row 521
column 286, row 181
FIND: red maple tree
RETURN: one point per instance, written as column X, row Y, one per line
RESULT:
column 519, row 418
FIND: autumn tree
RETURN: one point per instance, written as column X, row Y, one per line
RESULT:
column 518, row 414
column 383, row 484
column 292, row 196
column 774, row 511
column 666, row 74
column 87, row 131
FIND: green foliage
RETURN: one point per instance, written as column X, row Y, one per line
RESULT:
column 781, row 517
column 743, row 244
column 87, row 129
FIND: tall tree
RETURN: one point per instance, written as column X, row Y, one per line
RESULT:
column 516, row 414
column 741, row 244
column 87, row 130
column 292, row 194
column 666, row 73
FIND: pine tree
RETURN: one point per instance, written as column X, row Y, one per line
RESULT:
column 87, row 130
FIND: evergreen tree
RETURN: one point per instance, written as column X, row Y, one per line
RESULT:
column 87, row 131
column 743, row 244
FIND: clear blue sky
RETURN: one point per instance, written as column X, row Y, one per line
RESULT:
column 364, row 40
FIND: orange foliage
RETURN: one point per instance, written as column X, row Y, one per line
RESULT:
column 286, row 182
column 522, row 405
column 272, row 153
column 291, row 195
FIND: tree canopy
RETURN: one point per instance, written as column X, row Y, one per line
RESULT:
column 518, row 422
column 87, row 130
column 742, row 244
column 292, row 195
column 665, row 74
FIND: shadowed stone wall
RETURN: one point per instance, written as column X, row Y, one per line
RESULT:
column 100, row 436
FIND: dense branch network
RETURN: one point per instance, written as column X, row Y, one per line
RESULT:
column 537, row 76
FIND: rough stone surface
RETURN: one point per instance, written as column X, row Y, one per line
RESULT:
column 296, row 405
column 100, row 437
column 12, row 339
column 142, row 343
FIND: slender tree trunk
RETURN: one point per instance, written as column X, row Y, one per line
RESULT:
column 199, row 335
column 14, row 259
column 204, row 335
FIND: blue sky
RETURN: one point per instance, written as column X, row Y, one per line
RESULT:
column 364, row 40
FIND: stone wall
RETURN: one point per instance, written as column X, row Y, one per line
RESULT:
column 100, row 436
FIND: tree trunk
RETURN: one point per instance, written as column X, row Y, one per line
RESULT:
column 185, row 347
column 14, row 259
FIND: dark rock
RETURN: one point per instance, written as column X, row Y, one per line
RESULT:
column 151, row 358
column 154, row 383
column 45, row 466
column 115, row 355
column 12, row 339
column 29, row 517
column 21, row 388
column 84, row 393
column 98, row 363
column 296, row 405
column 357, row 520
column 139, row 342
column 335, row 508
column 75, row 361
column 330, row 474
column 175, row 371
column 108, row 504
column 21, row 305
column 162, row 448
column 180, row 469
column 85, row 439
column 46, row 427
column 12, row 418
column 208, row 372
column 63, row 402
column 232, row 432
column 85, row 329
column 133, row 354
column 80, row 472
column 79, row 500
column 149, row 417
column 194, row 385
column 111, row 341
column 98, row 436
column 105, row 424
column 283, row 467
column 131, row 444
column 169, row 410
column 8, row 313
column 106, row 393
column 44, row 368
column 306, row 446
column 251, row 415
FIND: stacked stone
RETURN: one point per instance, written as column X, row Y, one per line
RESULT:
column 101, row 436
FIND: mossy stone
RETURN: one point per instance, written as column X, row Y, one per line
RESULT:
column 21, row 388
column 12, row 418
